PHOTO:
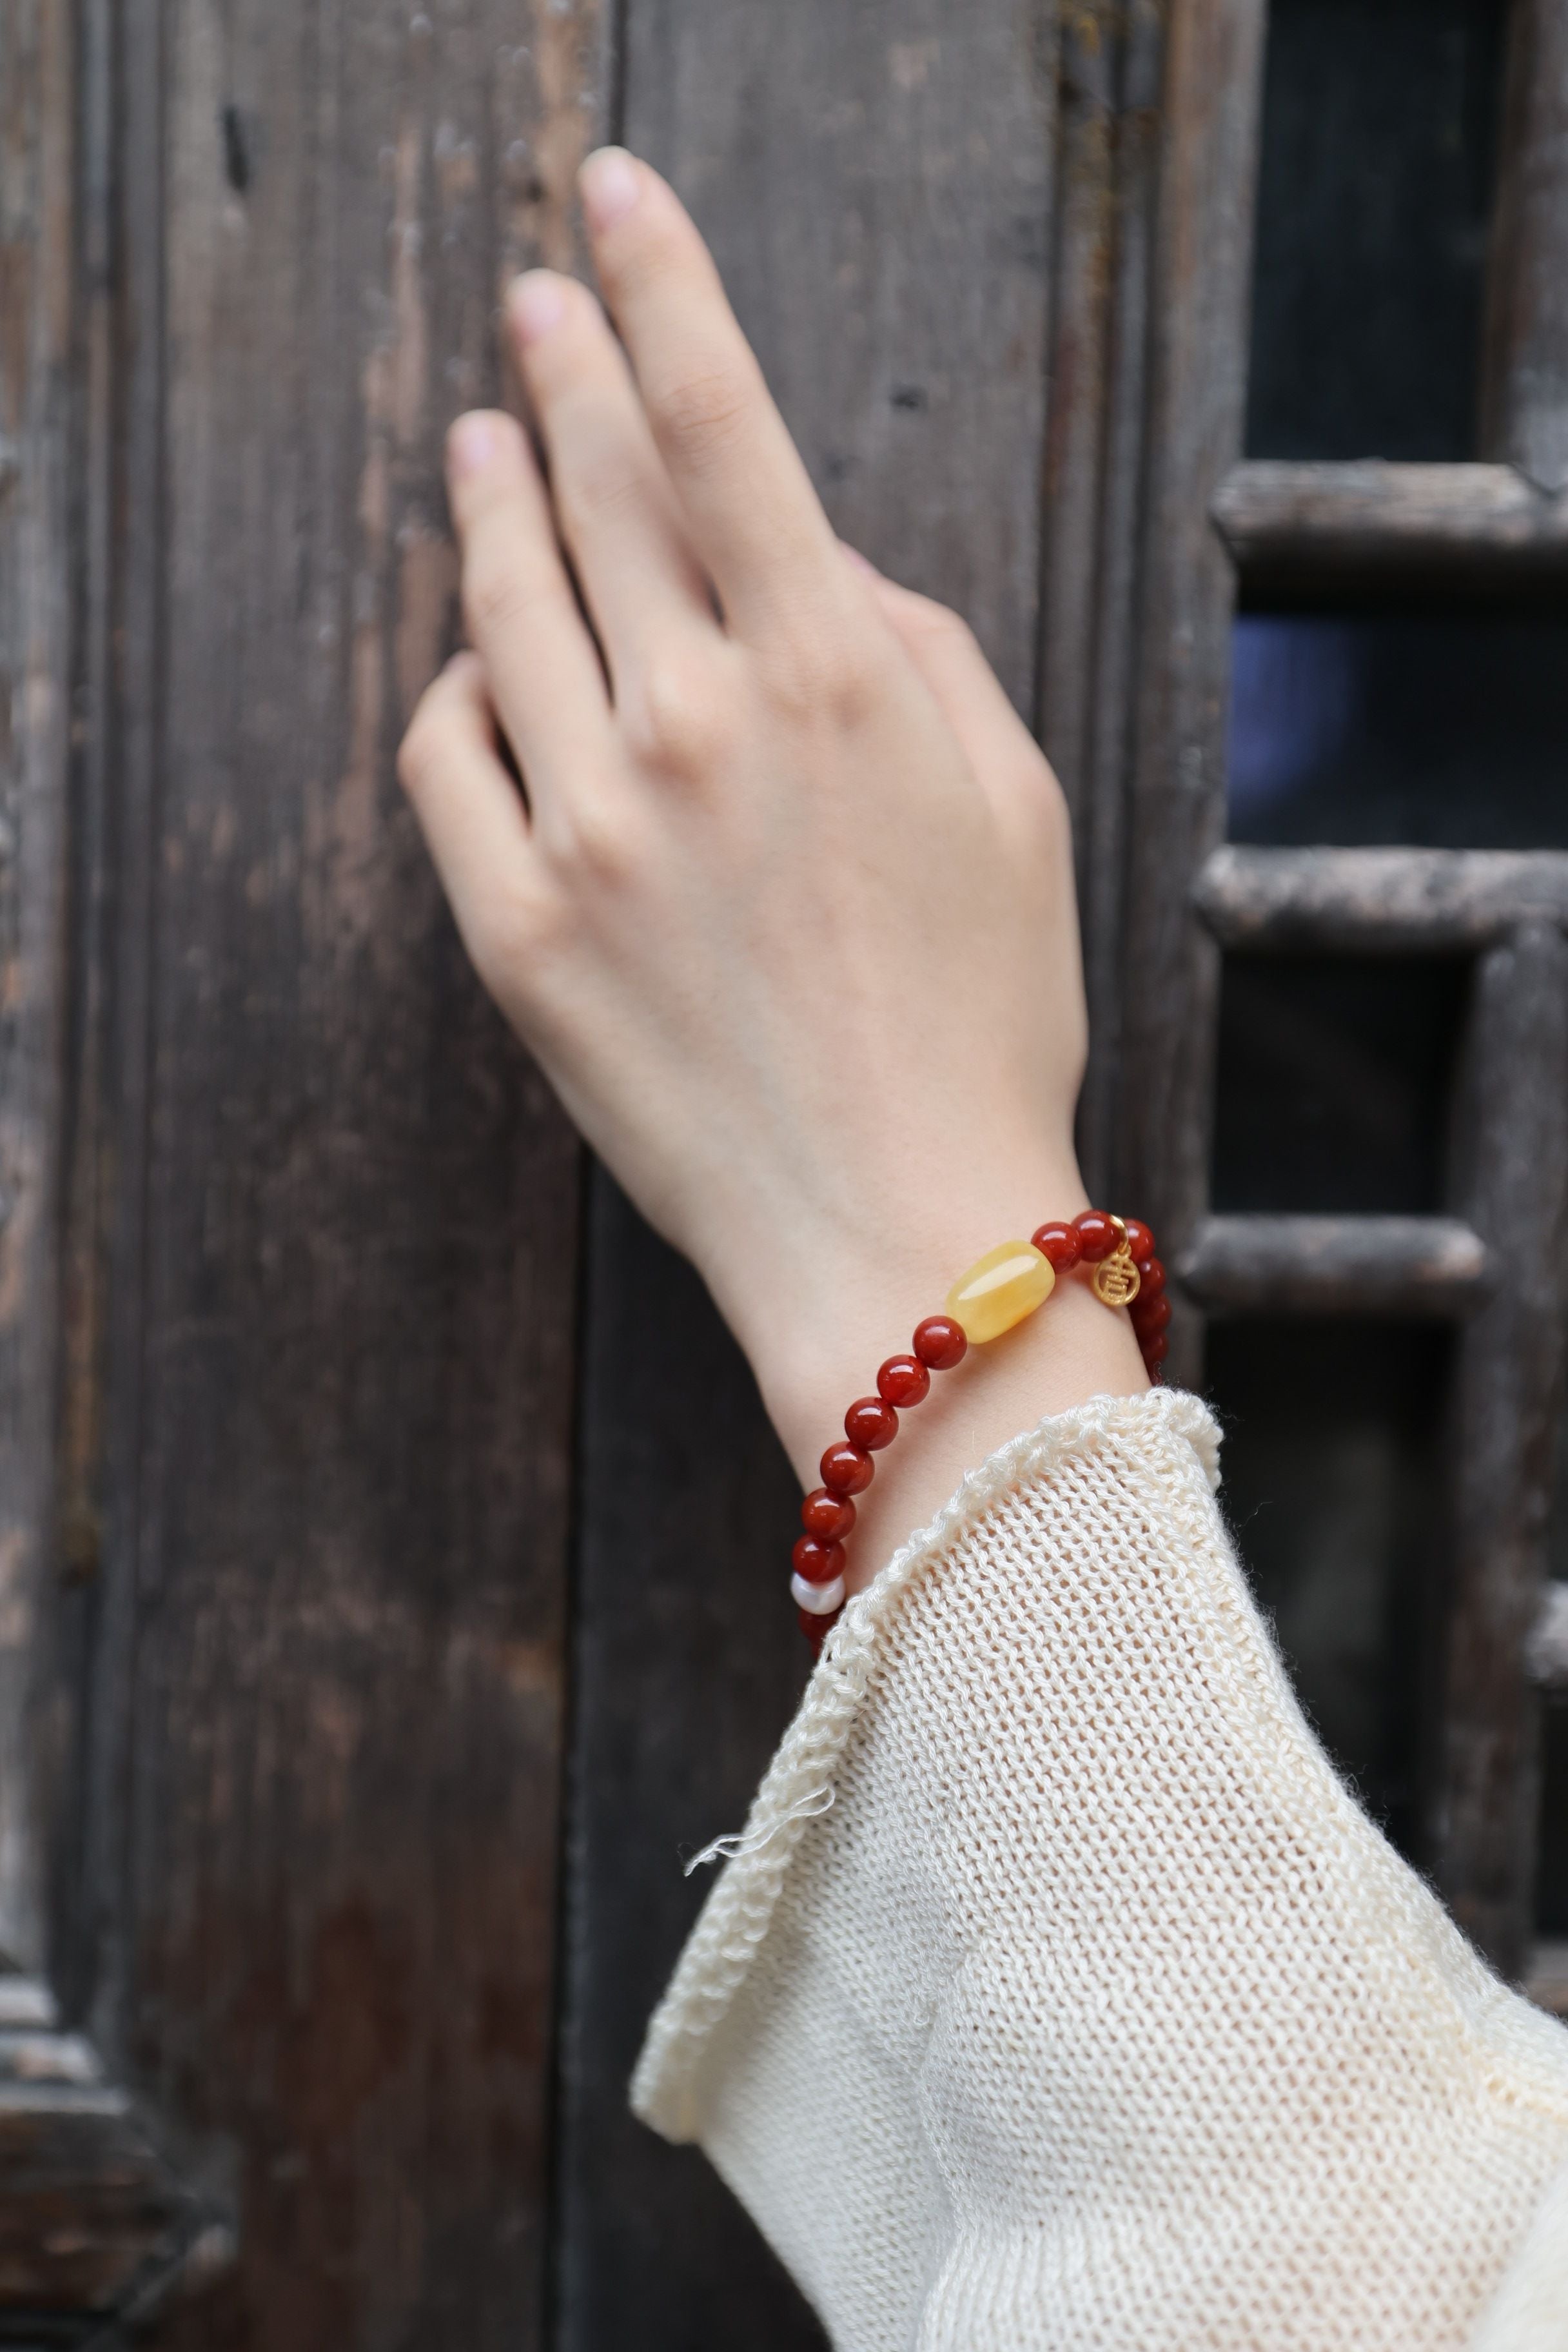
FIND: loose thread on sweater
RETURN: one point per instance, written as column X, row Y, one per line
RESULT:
column 725, row 1849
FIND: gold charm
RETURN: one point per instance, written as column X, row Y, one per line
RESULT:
column 1115, row 1278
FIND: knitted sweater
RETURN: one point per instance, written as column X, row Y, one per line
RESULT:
column 1062, row 1996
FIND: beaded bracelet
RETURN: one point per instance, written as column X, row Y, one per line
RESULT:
column 999, row 1290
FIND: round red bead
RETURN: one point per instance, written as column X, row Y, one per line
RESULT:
column 817, row 1563
column 1097, row 1236
column 870, row 1423
column 1156, row 1349
column 904, row 1381
column 940, row 1342
column 817, row 1628
column 846, row 1469
column 1150, row 1314
column 1060, row 1244
column 1140, row 1239
column 1151, row 1276
column 828, row 1516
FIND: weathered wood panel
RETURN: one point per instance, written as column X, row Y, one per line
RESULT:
column 1377, row 902
column 322, row 1829
column 877, row 186
column 1110, row 144
column 1403, row 1266
column 1170, row 978
column 37, row 505
column 1362, row 528
column 1511, row 1180
column 1524, row 404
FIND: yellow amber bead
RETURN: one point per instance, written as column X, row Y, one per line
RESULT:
column 1000, row 1288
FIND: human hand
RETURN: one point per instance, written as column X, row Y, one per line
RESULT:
column 786, row 909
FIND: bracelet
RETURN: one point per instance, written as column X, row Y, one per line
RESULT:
column 999, row 1290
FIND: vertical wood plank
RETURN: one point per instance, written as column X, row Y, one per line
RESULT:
column 1212, row 91
column 1093, row 487
column 877, row 182
column 1524, row 402
column 322, row 1833
column 1513, row 1123
column 37, row 445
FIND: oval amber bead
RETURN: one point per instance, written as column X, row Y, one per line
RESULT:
column 1000, row 1288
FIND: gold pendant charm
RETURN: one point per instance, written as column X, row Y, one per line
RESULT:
column 1115, row 1278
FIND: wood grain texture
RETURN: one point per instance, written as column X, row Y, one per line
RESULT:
column 37, row 419
column 1512, row 1182
column 1524, row 395
column 1213, row 80
column 1364, row 527
column 1108, row 140
column 877, row 182
column 1377, row 902
column 320, row 1847
column 91, row 2218
column 1402, row 1266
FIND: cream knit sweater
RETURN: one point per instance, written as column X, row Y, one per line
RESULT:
column 1063, row 1997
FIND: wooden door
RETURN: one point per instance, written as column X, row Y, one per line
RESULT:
column 389, row 1533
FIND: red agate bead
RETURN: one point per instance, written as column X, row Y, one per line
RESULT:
column 870, row 1423
column 1059, row 1242
column 1140, row 1239
column 1151, row 1276
column 904, row 1381
column 817, row 1628
column 828, row 1518
column 1150, row 1314
column 816, row 1563
column 1097, row 1236
column 940, row 1342
column 846, row 1469
column 1155, row 1350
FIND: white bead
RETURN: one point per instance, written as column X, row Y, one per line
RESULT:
column 817, row 1600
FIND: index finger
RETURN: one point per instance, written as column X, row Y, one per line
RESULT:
column 754, row 518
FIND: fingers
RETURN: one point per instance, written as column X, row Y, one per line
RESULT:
column 613, row 504
column 544, row 670
column 471, row 811
column 756, row 522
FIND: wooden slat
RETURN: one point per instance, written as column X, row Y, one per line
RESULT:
column 1524, row 405
column 1377, row 902
column 1547, row 1653
column 1513, row 1183
column 319, row 1864
column 1399, row 1266
column 1364, row 527
column 877, row 184
column 1201, row 275
column 90, row 2217
column 37, row 417
column 1112, row 61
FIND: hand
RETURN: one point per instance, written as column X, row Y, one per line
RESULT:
column 786, row 907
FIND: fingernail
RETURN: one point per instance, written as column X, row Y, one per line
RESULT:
column 471, row 443
column 536, row 302
column 611, row 183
